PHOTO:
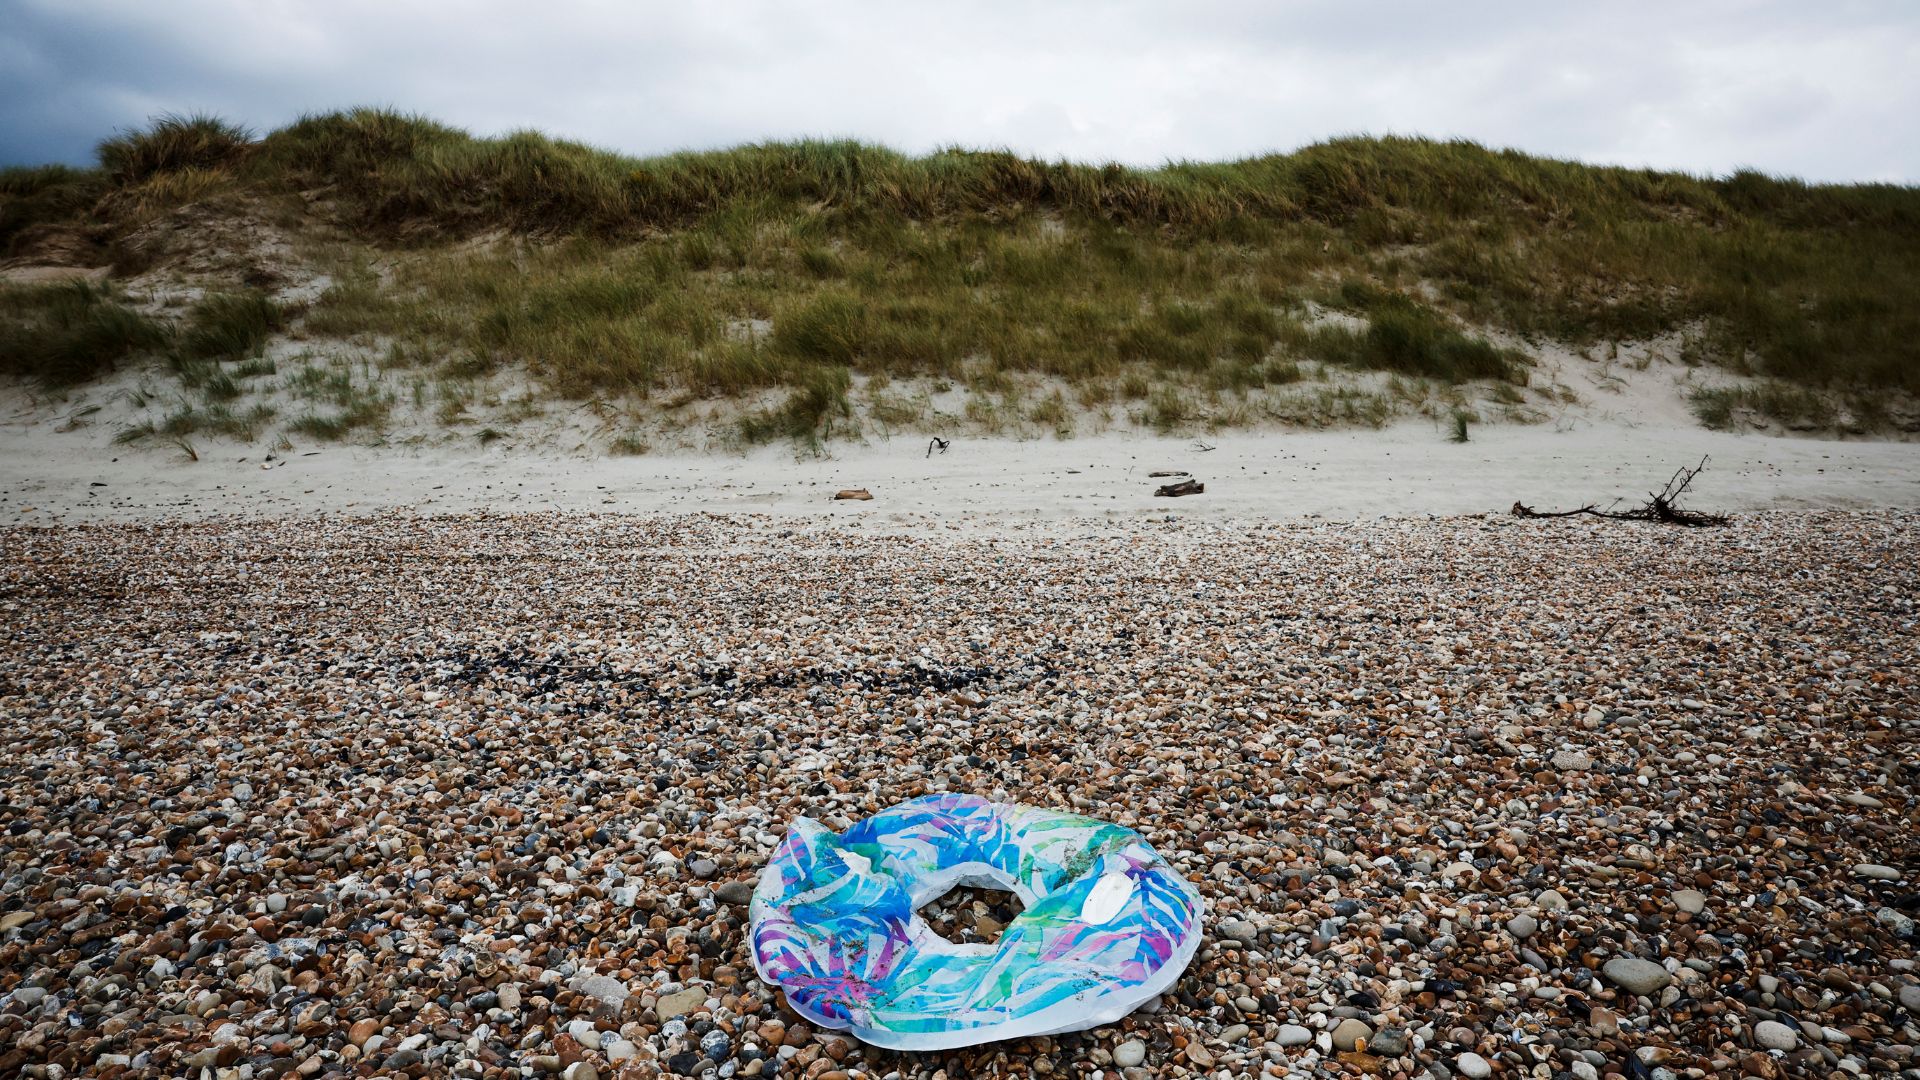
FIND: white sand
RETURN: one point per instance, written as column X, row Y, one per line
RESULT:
column 1405, row 469
column 1626, row 437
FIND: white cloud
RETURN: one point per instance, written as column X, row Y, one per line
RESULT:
column 1823, row 91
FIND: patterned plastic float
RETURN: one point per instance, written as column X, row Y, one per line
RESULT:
column 1108, row 924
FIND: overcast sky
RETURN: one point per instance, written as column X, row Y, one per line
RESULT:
column 1825, row 90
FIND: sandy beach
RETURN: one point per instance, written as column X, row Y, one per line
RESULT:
column 578, row 543
column 1407, row 469
column 428, row 758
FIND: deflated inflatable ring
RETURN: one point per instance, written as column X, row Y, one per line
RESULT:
column 1108, row 924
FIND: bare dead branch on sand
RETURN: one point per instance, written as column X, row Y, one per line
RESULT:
column 1663, row 507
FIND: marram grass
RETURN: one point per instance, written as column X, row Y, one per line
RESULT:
column 781, row 266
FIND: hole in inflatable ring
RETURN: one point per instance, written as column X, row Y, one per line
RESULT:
column 971, row 915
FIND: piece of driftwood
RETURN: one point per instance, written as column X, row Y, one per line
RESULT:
column 854, row 493
column 1663, row 508
column 1166, row 472
column 938, row 443
column 1184, row 487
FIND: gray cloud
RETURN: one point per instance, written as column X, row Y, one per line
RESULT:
column 1822, row 91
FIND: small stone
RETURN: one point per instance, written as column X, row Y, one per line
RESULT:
column 737, row 893
column 1199, row 1055
column 1522, row 926
column 509, row 995
column 1473, row 1066
column 362, row 1030
column 580, row 1070
column 1130, row 1053
column 1389, row 1043
column 1910, row 999
column 1348, row 1033
column 716, row 1046
column 605, row 989
column 1637, row 976
column 1691, row 901
column 1550, row 900
column 1234, row 1033
column 1876, row 872
column 1773, row 1035
column 1239, row 930
column 584, row 1033
column 1894, row 921
column 679, row 1003
column 703, row 869
column 1861, row 798
column 1293, row 1035
column 1572, row 760
column 1603, row 1021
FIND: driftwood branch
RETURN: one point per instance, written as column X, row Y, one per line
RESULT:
column 939, row 442
column 1663, row 507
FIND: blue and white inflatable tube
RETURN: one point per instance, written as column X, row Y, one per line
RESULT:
column 1108, row 924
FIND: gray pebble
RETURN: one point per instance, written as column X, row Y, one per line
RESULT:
column 1637, row 976
column 1773, row 1035
column 1348, row 1032
column 1238, row 930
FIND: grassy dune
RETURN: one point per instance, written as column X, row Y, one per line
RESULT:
column 797, row 265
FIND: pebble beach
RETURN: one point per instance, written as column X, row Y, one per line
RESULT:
column 485, row 796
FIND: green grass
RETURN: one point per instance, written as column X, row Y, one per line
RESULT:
column 35, row 195
column 604, row 274
column 1407, row 337
column 830, row 328
column 338, row 425
column 1793, row 406
column 171, row 143
column 66, row 334
column 594, row 317
column 217, row 419
column 229, row 326
column 807, row 414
